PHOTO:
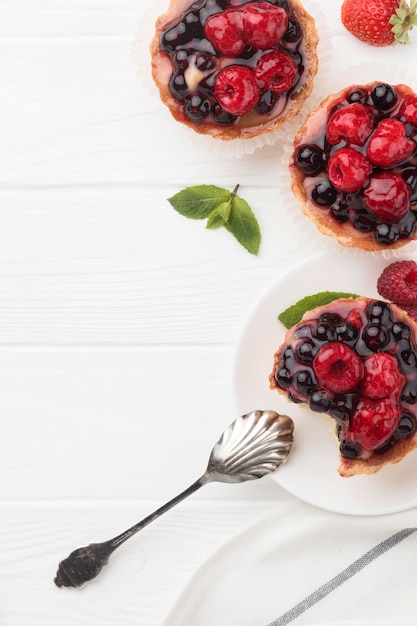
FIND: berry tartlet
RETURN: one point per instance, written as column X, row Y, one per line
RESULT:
column 354, row 166
column 234, row 69
column 355, row 360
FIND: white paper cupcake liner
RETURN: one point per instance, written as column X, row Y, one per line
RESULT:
column 234, row 148
column 325, row 85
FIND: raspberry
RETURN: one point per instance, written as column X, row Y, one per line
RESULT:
column 224, row 31
column 277, row 71
column 374, row 422
column 354, row 123
column 348, row 169
column 388, row 144
column 408, row 109
column 236, row 89
column 263, row 24
column 398, row 283
column 355, row 318
column 387, row 197
column 382, row 377
column 338, row 367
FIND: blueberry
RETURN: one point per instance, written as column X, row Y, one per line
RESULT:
column 283, row 377
column 293, row 32
column 349, row 450
column 401, row 331
column 309, row 159
column 407, row 225
column 173, row 36
column 379, row 312
column 347, row 332
column 386, row 234
column 324, row 332
column 376, row 337
column 324, row 194
column 304, row 381
column 330, row 318
column 220, row 116
column 211, row 7
column 305, row 351
column 303, row 331
column 406, row 426
column 363, row 221
column 343, row 406
column 357, row 95
column 319, row 401
column 409, row 360
column 197, row 108
column 181, row 59
column 205, row 62
column 409, row 173
column 266, row 102
column 340, row 211
column 178, row 86
column 384, row 96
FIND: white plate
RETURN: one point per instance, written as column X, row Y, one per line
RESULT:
column 276, row 572
column 311, row 471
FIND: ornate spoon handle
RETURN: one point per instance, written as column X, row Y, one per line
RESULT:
column 253, row 446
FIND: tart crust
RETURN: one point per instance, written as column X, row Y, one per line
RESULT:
column 352, row 467
column 251, row 124
column 345, row 233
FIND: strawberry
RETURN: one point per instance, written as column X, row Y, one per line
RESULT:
column 237, row 89
column 379, row 22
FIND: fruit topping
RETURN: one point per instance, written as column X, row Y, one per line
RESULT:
column 357, row 178
column 379, row 22
column 373, row 422
column 236, row 89
column 230, row 58
column 387, row 197
column 389, row 145
column 398, row 283
column 276, row 71
column 338, row 367
column 224, row 31
column 352, row 123
column 263, row 24
column 356, row 360
column 349, row 169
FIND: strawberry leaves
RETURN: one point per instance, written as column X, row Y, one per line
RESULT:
column 221, row 208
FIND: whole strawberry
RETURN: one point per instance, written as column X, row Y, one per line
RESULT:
column 379, row 22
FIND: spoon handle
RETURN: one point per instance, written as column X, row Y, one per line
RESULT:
column 84, row 564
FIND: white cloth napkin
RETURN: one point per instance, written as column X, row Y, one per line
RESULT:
column 305, row 566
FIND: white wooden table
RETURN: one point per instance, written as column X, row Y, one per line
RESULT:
column 118, row 317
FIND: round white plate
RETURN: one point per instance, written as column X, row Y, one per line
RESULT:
column 311, row 470
column 277, row 571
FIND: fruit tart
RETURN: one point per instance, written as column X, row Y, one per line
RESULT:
column 355, row 361
column 354, row 166
column 234, row 69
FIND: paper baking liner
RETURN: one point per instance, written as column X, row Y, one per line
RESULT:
column 325, row 85
column 235, row 147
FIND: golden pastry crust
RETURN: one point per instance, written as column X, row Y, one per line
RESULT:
column 344, row 233
column 251, row 124
column 375, row 462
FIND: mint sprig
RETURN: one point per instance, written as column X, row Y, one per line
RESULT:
column 220, row 207
column 295, row 312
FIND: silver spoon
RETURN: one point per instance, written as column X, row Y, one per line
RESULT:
column 253, row 446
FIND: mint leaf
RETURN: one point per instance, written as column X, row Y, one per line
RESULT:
column 294, row 313
column 244, row 226
column 199, row 201
column 221, row 208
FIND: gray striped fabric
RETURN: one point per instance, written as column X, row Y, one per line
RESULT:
column 342, row 577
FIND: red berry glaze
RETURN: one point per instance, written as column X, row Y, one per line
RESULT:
column 382, row 377
column 263, row 24
column 224, row 30
column 388, row 144
column 374, row 422
column 353, row 123
column 338, row 367
column 398, row 283
column 237, row 89
column 348, row 169
column 387, row 197
column 276, row 71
